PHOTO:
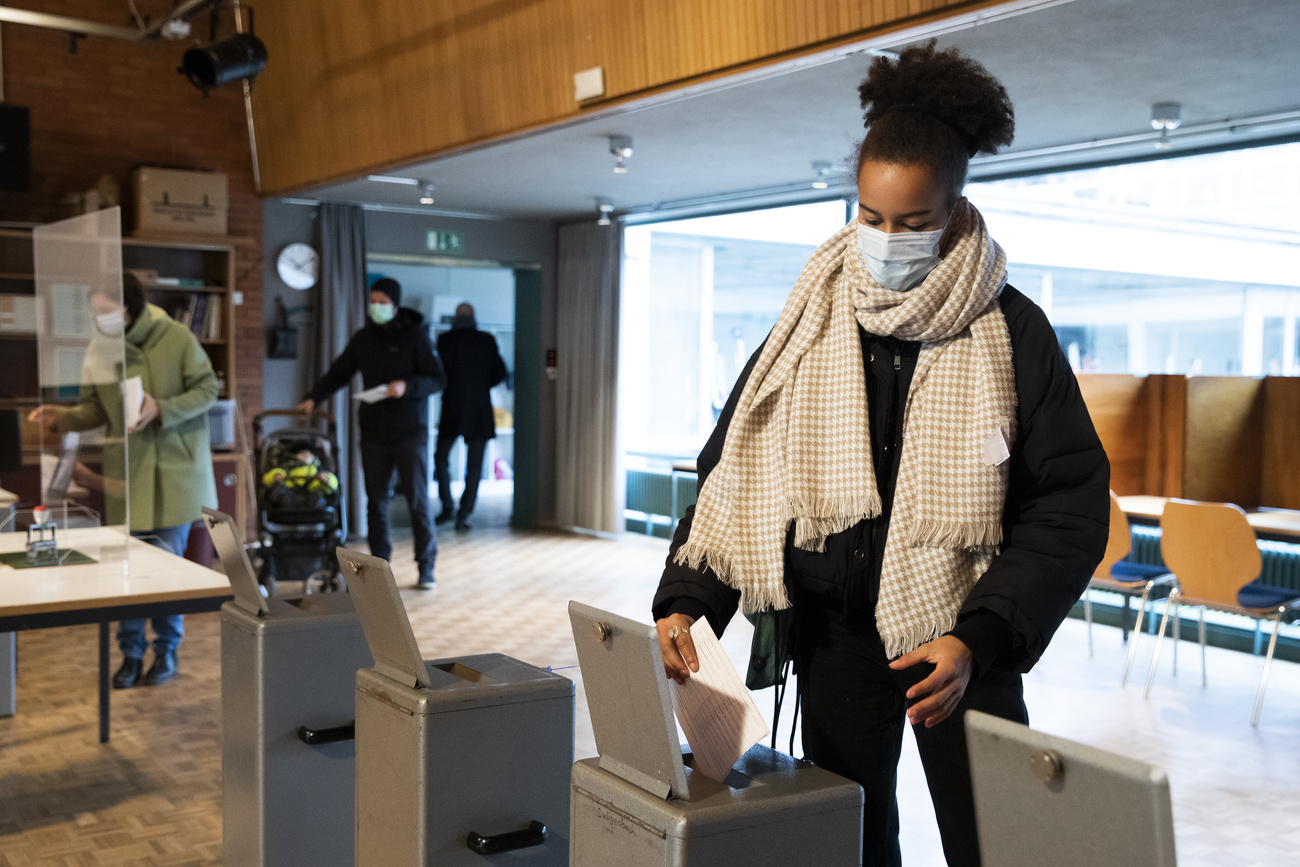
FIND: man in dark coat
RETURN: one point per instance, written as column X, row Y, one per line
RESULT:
column 473, row 366
column 393, row 351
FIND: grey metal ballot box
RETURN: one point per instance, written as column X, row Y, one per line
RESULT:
column 287, row 760
column 461, row 761
column 640, row 804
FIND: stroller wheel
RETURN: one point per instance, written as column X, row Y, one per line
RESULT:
column 324, row 580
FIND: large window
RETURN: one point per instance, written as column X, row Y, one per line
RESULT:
column 1187, row 265
column 699, row 296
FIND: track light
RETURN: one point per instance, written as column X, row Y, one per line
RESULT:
column 824, row 170
column 240, row 56
column 1165, row 116
column 605, row 207
column 621, row 147
column 426, row 193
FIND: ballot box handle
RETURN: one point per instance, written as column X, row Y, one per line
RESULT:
column 533, row 835
column 327, row 736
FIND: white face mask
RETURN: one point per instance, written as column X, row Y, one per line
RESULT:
column 382, row 314
column 111, row 324
column 899, row 261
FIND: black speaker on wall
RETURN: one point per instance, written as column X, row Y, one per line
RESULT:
column 15, row 148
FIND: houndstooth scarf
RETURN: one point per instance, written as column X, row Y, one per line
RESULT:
column 798, row 447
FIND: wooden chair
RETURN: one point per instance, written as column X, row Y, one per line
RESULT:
column 1211, row 549
column 1117, row 575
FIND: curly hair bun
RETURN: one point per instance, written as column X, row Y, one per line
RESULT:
column 955, row 90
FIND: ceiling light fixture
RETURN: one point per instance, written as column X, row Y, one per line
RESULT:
column 1165, row 116
column 240, row 56
column 605, row 207
column 826, row 171
column 393, row 179
column 621, row 147
column 426, row 191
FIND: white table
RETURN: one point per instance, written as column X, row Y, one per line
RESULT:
column 138, row 580
column 1276, row 525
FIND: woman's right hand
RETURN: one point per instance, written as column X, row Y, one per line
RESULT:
column 678, row 648
column 46, row 416
column 306, row 406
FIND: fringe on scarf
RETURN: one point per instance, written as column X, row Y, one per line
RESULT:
column 928, row 533
column 896, row 644
column 815, row 521
column 754, row 596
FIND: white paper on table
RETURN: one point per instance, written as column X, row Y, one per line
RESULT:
column 372, row 395
column 133, row 396
column 715, row 710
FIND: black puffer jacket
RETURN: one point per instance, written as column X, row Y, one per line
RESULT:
column 1055, row 522
column 384, row 353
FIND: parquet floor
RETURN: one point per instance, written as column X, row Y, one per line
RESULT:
column 152, row 796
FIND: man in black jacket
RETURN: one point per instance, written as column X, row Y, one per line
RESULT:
column 392, row 350
column 473, row 365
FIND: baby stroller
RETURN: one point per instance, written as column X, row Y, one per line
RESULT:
column 300, row 513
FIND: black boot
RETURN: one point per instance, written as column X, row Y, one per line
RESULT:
column 129, row 674
column 445, row 515
column 162, row 670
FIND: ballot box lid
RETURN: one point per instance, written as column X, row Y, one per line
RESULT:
column 383, row 618
column 230, row 548
column 627, row 694
column 1041, row 799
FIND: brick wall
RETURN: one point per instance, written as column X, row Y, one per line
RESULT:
column 115, row 105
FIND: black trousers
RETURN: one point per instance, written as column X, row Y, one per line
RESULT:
column 854, row 709
column 409, row 456
column 474, row 449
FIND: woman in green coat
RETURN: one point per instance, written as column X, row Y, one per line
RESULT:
column 168, row 455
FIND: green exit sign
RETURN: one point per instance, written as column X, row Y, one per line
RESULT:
column 446, row 242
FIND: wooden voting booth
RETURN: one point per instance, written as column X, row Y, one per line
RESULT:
column 1217, row 438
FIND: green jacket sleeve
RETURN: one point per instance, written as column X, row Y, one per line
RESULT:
column 198, row 387
column 87, row 414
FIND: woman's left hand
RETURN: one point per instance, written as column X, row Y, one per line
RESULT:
column 945, row 686
column 148, row 412
column 397, row 388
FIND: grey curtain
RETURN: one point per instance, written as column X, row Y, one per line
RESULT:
column 589, row 493
column 341, row 313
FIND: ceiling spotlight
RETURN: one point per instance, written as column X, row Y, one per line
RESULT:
column 1165, row 116
column 426, row 191
column 605, row 207
column 207, row 66
column 824, row 170
column 621, row 147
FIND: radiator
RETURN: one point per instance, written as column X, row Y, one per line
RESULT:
column 649, row 492
column 684, row 486
column 1280, row 560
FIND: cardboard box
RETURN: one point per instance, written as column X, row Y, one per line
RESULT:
column 178, row 202
column 18, row 314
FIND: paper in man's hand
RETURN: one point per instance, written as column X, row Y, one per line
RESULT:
column 715, row 710
column 372, row 395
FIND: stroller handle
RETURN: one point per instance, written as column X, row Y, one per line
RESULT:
column 314, row 415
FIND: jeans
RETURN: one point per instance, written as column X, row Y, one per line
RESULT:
column 410, row 458
column 854, row 708
column 168, row 631
column 474, row 449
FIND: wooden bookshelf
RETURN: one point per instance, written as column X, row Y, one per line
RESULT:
column 205, row 267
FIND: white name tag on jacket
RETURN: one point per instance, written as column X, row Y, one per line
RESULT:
column 996, row 447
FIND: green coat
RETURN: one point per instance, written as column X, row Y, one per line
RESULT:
column 169, row 462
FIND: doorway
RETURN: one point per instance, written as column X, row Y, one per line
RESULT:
column 434, row 290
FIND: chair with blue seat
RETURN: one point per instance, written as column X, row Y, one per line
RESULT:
column 1212, row 551
column 1118, row 575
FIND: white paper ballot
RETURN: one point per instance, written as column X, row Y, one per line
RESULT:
column 133, row 398
column 372, row 395
column 715, row 710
